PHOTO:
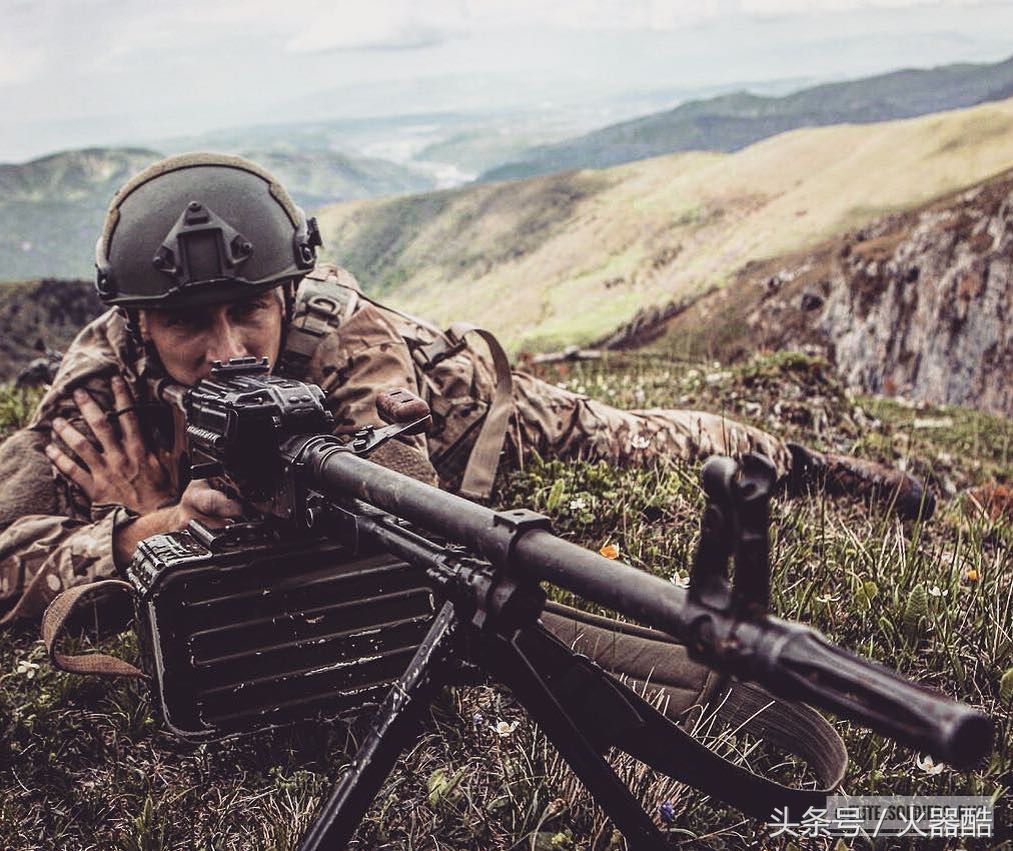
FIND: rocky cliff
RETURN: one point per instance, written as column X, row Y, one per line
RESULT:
column 924, row 306
column 917, row 304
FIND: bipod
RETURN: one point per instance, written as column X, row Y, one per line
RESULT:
column 489, row 621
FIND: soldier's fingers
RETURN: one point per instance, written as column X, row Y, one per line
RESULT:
column 126, row 413
column 66, row 465
column 212, row 503
column 78, row 443
column 97, row 421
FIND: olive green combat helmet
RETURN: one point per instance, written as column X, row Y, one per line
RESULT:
column 200, row 229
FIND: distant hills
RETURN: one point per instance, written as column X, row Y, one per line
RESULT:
column 851, row 238
column 565, row 258
column 51, row 209
column 734, row 121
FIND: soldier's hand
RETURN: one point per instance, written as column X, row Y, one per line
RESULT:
column 122, row 470
column 202, row 502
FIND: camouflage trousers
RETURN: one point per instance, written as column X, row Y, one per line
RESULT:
column 559, row 423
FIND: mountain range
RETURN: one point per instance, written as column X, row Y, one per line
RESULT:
column 52, row 208
column 733, row 121
column 886, row 246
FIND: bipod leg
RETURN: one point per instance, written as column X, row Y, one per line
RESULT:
column 515, row 666
column 394, row 728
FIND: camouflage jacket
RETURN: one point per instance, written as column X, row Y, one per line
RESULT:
column 52, row 537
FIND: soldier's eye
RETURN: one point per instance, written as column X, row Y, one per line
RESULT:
column 247, row 309
column 185, row 321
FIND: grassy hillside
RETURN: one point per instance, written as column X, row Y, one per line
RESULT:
column 565, row 258
column 731, row 122
column 83, row 764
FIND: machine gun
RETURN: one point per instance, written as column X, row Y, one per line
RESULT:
column 270, row 439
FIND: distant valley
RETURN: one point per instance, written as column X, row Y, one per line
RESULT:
column 896, row 267
column 51, row 208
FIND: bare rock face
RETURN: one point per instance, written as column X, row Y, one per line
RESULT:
column 916, row 304
column 921, row 305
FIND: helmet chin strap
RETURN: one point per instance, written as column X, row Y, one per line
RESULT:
column 288, row 308
column 153, row 366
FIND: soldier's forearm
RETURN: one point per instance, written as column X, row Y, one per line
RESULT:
column 126, row 539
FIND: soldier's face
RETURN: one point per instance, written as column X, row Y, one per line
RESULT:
column 190, row 340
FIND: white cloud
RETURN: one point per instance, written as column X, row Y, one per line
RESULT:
column 404, row 24
column 400, row 24
column 19, row 64
column 383, row 24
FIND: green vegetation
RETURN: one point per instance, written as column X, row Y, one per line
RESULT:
column 389, row 242
column 85, row 766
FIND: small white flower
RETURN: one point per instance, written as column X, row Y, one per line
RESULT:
column 680, row 580
column 929, row 765
column 28, row 669
column 639, row 395
column 935, row 591
column 578, row 504
column 640, row 441
column 504, row 728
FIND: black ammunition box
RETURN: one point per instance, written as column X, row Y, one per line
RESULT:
column 240, row 632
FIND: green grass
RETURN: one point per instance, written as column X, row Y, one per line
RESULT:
column 84, row 765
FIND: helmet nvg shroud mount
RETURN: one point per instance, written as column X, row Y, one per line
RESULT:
column 201, row 229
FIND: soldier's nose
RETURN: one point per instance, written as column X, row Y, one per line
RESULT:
column 225, row 347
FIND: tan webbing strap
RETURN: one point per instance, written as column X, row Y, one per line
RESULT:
column 480, row 473
column 319, row 308
column 54, row 622
column 793, row 727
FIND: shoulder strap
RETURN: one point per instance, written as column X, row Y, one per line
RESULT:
column 792, row 727
column 325, row 297
column 480, row 472
column 329, row 294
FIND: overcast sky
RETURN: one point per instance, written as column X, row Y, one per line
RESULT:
column 78, row 72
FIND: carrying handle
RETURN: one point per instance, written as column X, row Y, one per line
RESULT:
column 54, row 624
